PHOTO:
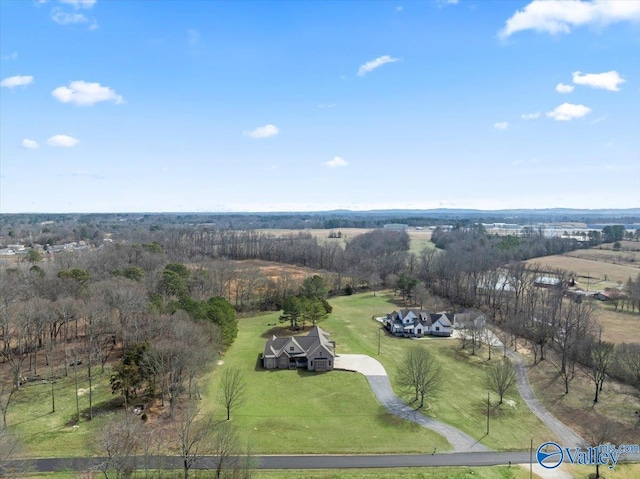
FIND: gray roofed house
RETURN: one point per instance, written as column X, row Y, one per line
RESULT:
column 315, row 351
column 418, row 323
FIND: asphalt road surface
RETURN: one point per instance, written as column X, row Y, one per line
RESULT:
column 470, row 459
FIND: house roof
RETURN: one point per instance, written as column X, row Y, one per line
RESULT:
column 445, row 319
column 303, row 345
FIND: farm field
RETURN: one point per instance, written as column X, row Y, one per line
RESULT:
column 618, row 326
column 591, row 274
column 303, row 405
column 419, row 238
column 599, row 267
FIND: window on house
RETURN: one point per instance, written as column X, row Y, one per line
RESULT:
column 437, row 328
column 291, row 348
column 311, row 363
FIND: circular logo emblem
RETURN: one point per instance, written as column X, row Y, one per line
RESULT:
column 550, row 455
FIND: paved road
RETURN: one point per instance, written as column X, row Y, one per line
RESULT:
column 299, row 462
column 381, row 387
column 470, row 459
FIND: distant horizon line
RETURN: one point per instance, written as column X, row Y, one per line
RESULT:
column 633, row 210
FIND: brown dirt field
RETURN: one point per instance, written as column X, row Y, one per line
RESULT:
column 274, row 270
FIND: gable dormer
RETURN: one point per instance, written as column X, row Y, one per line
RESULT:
column 292, row 348
column 409, row 317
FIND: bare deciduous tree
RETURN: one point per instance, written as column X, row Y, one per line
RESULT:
column 119, row 440
column 7, row 391
column 232, row 389
column 501, row 377
column 191, row 434
column 600, row 359
column 420, row 373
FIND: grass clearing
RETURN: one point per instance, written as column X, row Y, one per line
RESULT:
column 44, row 434
column 591, row 275
column 304, row 406
column 617, row 402
column 621, row 471
column 618, row 326
column 493, row 472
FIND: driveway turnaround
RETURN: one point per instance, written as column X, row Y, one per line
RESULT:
column 379, row 381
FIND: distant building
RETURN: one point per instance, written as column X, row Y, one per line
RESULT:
column 547, row 282
column 396, row 227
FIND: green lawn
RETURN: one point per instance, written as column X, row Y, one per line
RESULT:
column 297, row 411
column 45, row 434
column 303, row 412
column 336, row 411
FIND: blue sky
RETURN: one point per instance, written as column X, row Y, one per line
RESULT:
column 122, row 106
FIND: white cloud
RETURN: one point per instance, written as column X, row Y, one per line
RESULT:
column 373, row 64
column 11, row 56
column 29, row 144
column 65, row 18
column 337, row 162
column 502, row 125
column 560, row 16
column 448, row 2
column 18, row 80
column 562, row 88
column 568, row 111
column 261, row 132
column 65, row 141
column 83, row 93
column 79, row 3
column 607, row 80
column 324, row 106
column 399, row 8
column 530, row 116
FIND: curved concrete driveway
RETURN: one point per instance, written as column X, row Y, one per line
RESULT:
column 381, row 387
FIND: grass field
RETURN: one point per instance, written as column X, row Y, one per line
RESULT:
column 45, row 434
column 304, row 405
column 617, row 402
column 618, row 326
column 592, row 275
